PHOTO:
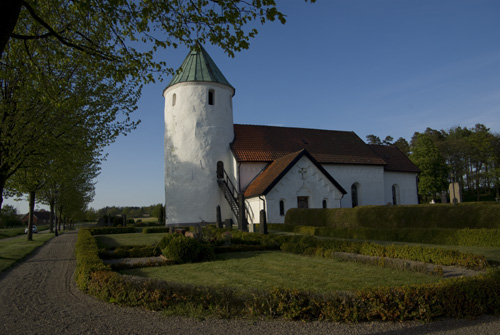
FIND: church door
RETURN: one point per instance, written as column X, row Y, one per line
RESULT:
column 302, row 202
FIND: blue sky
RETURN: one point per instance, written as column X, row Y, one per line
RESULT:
column 383, row 67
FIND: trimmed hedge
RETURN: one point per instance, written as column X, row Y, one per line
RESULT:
column 464, row 215
column 464, row 237
column 154, row 230
column 462, row 297
column 111, row 230
column 130, row 252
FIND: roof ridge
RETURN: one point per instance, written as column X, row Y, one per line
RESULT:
column 293, row 127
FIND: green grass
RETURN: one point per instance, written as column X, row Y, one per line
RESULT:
column 16, row 249
column 11, row 232
column 271, row 269
column 147, row 219
column 131, row 239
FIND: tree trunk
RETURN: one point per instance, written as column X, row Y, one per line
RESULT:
column 30, row 217
column 3, row 180
column 52, row 205
column 9, row 14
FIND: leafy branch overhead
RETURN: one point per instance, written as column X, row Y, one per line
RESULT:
column 128, row 24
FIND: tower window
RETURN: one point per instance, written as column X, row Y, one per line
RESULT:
column 211, row 97
column 174, row 96
column 282, row 207
column 325, row 203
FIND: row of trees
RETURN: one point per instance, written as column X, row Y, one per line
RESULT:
column 71, row 74
column 470, row 156
column 130, row 211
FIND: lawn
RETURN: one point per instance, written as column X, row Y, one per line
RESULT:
column 271, row 269
column 13, row 250
column 131, row 239
column 11, row 232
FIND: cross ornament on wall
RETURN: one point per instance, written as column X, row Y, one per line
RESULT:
column 303, row 172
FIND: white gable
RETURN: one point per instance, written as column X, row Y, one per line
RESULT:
column 305, row 181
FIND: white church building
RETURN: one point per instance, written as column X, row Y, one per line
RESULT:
column 213, row 166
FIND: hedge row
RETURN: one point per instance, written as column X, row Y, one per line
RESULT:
column 155, row 230
column 463, row 297
column 111, row 230
column 464, row 237
column 464, row 215
column 439, row 256
column 130, row 252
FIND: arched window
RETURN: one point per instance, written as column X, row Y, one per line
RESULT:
column 325, row 203
column 174, row 96
column 354, row 195
column 211, row 97
column 282, row 207
column 395, row 194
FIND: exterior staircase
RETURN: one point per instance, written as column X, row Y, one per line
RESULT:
column 230, row 192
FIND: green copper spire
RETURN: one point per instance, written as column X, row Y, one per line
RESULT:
column 198, row 66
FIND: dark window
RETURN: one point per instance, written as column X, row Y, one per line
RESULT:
column 282, row 207
column 324, row 203
column 354, row 195
column 211, row 97
column 302, row 202
column 173, row 99
column 394, row 195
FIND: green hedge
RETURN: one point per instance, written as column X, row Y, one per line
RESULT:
column 155, row 230
column 111, row 230
column 87, row 258
column 464, row 237
column 130, row 252
column 464, row 215
column 463, row 297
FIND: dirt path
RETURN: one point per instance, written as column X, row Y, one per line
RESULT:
column 39, row 296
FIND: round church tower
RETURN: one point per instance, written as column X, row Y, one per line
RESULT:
column 198, row 131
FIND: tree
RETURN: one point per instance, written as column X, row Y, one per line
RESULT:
column 49, row 101
column 403, row 146
column 102, row 40
column 372, row 139
column 160, row 23
column 433, row 178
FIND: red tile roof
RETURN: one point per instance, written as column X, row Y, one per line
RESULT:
column 267, row 143
column 273, row 173
column 396, row 160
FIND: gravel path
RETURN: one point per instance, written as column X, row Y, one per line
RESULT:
column 39, row 296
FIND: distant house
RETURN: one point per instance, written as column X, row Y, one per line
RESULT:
column 39, row 218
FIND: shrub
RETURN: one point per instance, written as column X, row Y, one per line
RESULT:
column 183, row 249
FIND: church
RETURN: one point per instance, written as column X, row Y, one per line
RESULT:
column 216, row 170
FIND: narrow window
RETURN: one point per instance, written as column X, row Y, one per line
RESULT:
column 354, row 195
column 282, row 208
column 325, row 203
column 174, row 96
column 211, row 97
column 394, row 195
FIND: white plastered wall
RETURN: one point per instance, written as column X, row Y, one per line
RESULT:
column 368, row 178
column 303, row 179
column 406, row 187
column 197, row 135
